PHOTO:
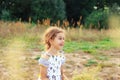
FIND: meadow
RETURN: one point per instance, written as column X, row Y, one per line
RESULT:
column 91, row 54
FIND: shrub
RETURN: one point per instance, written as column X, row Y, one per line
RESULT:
column 5, row 15
column 97, row 19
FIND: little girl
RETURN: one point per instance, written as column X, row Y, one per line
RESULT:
column 53, row 58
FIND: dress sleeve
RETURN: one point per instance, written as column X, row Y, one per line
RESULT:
column 44, row 62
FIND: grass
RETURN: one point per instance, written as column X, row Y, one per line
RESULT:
column 101, row 57
column 4, row 41
column 89, row 47
column 91, row 62
column 89, row 41
column 77, row 39
column 74, row 46
column 103, row 64
column 88, row 74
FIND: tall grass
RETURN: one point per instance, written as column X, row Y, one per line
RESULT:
column 88, row 74
column 9, row 29
column 13, row 60
column 32, row 33
column 114, row 31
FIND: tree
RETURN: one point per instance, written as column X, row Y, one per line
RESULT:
column 5, row 15
column 97, row 19
column 21, row 9
column 5, row 12
column 111, row 2
column 77, row 8
column 52, row 9
column 17, row 8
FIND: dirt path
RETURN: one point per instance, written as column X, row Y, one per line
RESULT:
column 110, row 69
column 18, row 63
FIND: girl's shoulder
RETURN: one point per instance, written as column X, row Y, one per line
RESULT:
column 44, row 59
column 45, row 55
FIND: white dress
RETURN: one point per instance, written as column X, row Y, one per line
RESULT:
column 53, row 64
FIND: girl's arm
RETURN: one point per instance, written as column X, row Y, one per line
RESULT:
column 43, row 72
column 63, row 75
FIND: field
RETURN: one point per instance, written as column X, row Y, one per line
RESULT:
column 91, row 54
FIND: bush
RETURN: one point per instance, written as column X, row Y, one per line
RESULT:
column 6, row 15
column 115, row 9
column 97, row 19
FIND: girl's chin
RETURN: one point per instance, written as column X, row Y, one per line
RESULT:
column 60, row 48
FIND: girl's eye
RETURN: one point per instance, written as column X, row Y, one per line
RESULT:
column 60, row 38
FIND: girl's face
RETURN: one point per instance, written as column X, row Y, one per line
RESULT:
column 58, row 41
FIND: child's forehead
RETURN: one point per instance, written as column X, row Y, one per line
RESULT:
column 60, row 35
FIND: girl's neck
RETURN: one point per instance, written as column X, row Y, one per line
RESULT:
column 53, row 51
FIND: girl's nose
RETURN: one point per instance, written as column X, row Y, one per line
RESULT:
column 63, row 41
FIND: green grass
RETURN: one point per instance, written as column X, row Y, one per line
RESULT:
column 101, row 57
column 89, row 47
column 90, row 62
column 33, row 42
column 4, row 42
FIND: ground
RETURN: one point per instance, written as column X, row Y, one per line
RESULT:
column 19, row 63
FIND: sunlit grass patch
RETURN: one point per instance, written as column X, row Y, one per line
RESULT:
column 106, row 64
column 3, row 42
column 12, row 58
column 88, row 74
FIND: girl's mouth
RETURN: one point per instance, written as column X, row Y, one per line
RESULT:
column 61, row 44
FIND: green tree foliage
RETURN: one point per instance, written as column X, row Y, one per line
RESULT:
column 21, row 9
column 97, row 19
column 17, row 8
column 52, row 9
column 5, row 15
column 37, row 9
column 115, row 9
column 5, row 9
column 77, row 8
column 103, row 3
column 111, row 2
column 84, row 8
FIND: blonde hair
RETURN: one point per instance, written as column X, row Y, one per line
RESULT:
column 51, row 33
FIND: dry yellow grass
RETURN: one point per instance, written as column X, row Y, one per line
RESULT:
column 88, row 74
column 13, row 61
column 8, row 29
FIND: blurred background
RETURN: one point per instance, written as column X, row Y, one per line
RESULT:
column 92, row 46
